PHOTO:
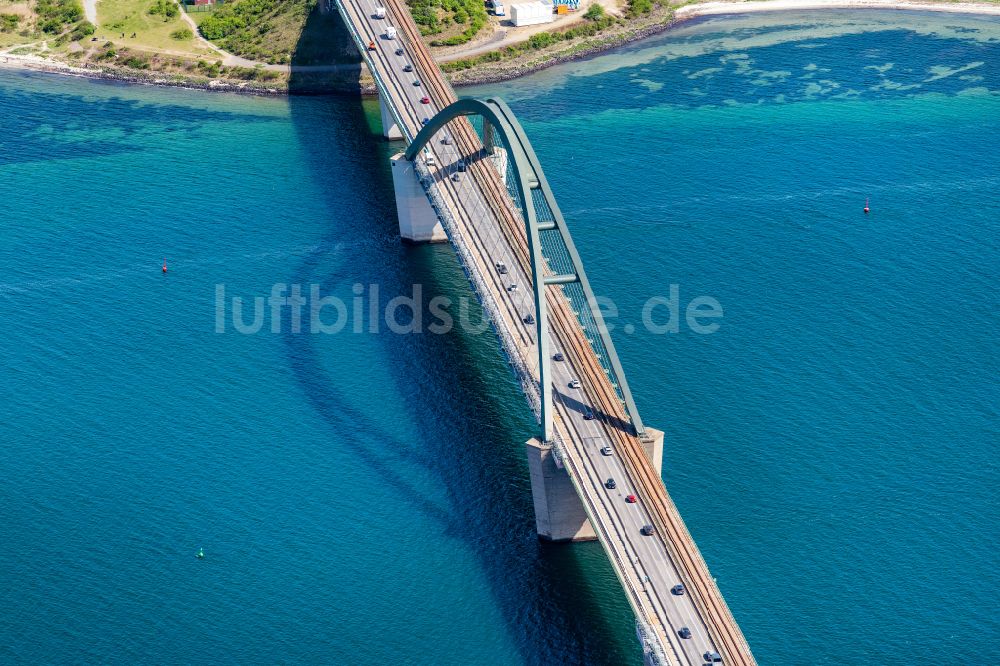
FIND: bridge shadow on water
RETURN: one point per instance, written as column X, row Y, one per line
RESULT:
column 562, row 604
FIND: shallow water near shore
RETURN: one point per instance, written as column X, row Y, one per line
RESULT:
column 364, row 499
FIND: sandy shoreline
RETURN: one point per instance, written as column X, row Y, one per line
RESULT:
column 682, row 14
column 716, row 8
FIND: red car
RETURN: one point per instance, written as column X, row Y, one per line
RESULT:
column 631, row 499
column 425, row 100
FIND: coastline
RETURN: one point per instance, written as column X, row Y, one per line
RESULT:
column 364, row 86
column 693, row 11
column 503, row 71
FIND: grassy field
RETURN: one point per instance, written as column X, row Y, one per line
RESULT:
column 17, row 22
column 152, row 31
column 279, row 32
column 43, row 24
column 451, row 22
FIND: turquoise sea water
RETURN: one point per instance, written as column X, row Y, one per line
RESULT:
column 363, row 498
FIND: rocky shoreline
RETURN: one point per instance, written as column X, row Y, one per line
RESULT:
column 499, row 72
column 140, row 77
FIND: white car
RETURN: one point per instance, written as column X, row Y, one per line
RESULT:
column 380, row 12
column 575, row 383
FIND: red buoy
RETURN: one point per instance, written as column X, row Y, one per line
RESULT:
column 165, row 261
column 867, row 210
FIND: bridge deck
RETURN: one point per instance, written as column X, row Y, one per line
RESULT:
column 486, row 229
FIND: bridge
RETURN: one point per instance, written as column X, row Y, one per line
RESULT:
column 470, row 176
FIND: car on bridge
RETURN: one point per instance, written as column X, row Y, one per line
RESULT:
column 588, row 415
column 399, row 51
column 416, row 82
column 425, row 100
column 684, row 632
column 712, row 657
column 575, row 383
column 407, row 67
column 455, row 178
column 530, row 319
column 606, row 451
column 501, row 268
column 631, row 499
column 446, row 140
column 647, row 530
column 461, row 165
column 610, row 484
column 379, row 13
column 558, row 356
column 677, row 589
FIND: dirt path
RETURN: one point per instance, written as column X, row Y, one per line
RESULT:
column 90, row 10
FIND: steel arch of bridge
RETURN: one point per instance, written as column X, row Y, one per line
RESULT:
column 528, row 176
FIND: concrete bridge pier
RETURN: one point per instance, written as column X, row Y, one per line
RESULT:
column 390, row 129
column 559, row 512
column 418, row 221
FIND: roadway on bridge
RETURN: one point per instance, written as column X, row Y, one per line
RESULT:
column 643, row 563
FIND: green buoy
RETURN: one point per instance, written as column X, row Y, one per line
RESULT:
column 201, row 554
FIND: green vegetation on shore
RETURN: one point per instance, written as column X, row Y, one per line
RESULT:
column 598, row 28
column 111, row 55
column 277, row 32
column 463, row 18
column 596, row 21
column 145, row 24
column 168, row 9
column 54, row 16
column 9, row 22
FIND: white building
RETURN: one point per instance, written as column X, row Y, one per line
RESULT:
column 531, row 13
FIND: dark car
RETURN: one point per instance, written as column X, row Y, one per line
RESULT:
column 647, row 530
column 610, row 484
column 501, row 267
column 416, row 82
column 677, row 589
column 446, row 140
column 461, row 165
column 530, row 319
column 588, row 415
column 425, row 121
column 425, row 100
column 558, row 356
column 407, row 67
column 400, row 52
column 684, row 632
column 713, row 657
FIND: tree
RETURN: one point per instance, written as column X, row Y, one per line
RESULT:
column 595, row 12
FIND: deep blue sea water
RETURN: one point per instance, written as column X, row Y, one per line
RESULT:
column 363, row 498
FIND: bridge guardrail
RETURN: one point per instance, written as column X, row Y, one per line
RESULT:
column 652, row 645
column 529, row 385
column 363, row 49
